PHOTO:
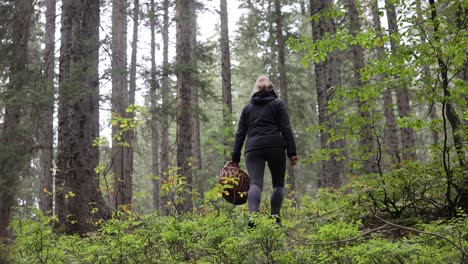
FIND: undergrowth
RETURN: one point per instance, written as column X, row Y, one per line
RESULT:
column 373, row 219
column 340, row 236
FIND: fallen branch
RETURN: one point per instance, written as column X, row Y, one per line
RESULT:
column 465, row 254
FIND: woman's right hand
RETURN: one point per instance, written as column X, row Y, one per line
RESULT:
column 235, row 163
column 294, row 160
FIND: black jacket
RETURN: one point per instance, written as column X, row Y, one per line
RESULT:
column 266, row 124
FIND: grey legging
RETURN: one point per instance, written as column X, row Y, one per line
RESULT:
column 255, row 161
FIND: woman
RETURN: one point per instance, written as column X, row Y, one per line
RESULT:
column 265, row 122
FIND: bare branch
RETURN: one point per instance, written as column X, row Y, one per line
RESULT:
column 465, row 254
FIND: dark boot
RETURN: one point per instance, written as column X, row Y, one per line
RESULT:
column 252, row 220
column 276, row 218
column 250, row 224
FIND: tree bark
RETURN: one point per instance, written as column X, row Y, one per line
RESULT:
column 272, row 62
column 327, row 74
column 303, row 7
column 68, row 13
column 427, row 79
column 283, row 82
column 403, row 102
column 165, row 91
column 46, row 127
column 184, row 46
column 154, row 115
column 196, row 144
column 129, row 151
column 14, row 143
column 392, row 143
column 366, row 141
column 79, row 197
column 226, row 81
column 122, row 192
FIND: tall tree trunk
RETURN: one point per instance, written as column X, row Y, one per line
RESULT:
column 196, row 144
column 155, row 152
column 46, row 127
column 392, row 131
column 122, row 192
column 327, row 76
column 403, row 102
column 81, row 201
column 68, row 13
column 283, row 82
column 337, row 160
column 184, row 13
column 272, row 62
column 366, row 141
column 226, row 80
column 165, row 103
column 303, row 7
column 155, row 148
column 154, row 107
column 14, row 145
column 427, row 79
column 320, row 78
column 128, row 170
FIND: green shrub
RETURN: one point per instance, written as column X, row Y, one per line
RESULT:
column 321, row 231
column 35, row 240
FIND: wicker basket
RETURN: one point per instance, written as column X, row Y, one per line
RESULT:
column 236, row 183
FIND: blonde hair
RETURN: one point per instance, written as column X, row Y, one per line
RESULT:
column 263, row 84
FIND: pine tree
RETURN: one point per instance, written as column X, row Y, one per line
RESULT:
column 366, row 143
column 165, row 92
column 154, row 107
column 196, row 143
column 403, row 101
column 122, row 180
column 79, row 199
column 392, row 144
column 15, row 145
column 283, row 83
column 327, row 76
column 46, row 129
column 185, row 79
column 226, row 79
column 129, row 155
column 427, row 76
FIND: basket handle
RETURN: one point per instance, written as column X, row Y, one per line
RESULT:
column 231, row 164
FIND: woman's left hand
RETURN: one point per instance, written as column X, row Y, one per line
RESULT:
column 294, row 160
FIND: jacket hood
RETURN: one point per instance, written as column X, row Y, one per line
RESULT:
column 263, row 97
